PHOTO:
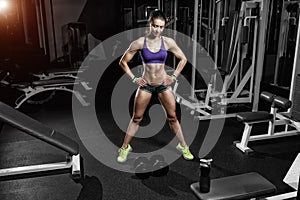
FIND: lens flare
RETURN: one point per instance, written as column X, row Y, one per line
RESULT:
column 3, row 4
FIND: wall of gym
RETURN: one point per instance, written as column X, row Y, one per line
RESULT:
column 38, row 34
column 100, row 23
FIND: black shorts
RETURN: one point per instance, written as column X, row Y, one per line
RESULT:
column 154, row 88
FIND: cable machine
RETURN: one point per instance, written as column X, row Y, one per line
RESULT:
column 250, row 19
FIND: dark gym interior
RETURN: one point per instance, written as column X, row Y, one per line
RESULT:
column 64, row 99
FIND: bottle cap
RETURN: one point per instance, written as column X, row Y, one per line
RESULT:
column 206, row 161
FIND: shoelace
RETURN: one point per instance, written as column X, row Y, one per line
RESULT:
column 186, row 150
column 122, row 152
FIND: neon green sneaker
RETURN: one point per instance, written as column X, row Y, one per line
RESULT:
column 185, row 152
column 123, row 154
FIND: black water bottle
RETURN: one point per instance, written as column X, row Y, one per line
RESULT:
column 204, row 179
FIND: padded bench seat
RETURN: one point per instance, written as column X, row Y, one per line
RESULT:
column 258, row 116
column 36, row 129
column 243, row 186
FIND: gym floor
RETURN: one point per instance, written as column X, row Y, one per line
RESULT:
column 271, row 158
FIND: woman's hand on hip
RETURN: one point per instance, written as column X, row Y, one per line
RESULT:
column 169, row 80
column 140, row 81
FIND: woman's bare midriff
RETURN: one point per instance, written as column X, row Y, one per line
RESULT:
column 154, row 74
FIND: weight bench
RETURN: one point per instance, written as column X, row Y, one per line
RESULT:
column 60, row 73
column 38, row 130
column 243, row 186
column 36, row 87
column 274, row 118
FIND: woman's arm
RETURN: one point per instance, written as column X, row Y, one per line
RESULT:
column 127, row 56
column 175, row 49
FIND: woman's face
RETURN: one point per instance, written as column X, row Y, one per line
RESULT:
column 157, row 26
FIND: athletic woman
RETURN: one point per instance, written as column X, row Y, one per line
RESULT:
column 153, row 51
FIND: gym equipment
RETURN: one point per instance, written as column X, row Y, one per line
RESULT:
column 38, row 130
column 272, row 39
column 230, row 41
column 274, row 118
column 36, row 87
column 54, row 73
column 234, row 88
column 295, row 81
column 159, row 166
column 61, row 82
column 183, row 20
column 286, row 43
column 75, row 42
column 233, row 71
column 295, row 111
column 142, row 167
column 242, row 186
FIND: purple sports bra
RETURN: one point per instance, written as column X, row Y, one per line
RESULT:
column 157, row 57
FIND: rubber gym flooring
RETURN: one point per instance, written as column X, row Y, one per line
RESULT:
column 271, row 158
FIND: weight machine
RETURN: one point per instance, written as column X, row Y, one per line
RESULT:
column 241, row 81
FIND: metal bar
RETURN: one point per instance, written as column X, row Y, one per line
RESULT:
column 200, row 21
column 44, row 26
column 38, row 21
column 159, row 4
column 253, row 57
column 243, row 82
column 208, row 93
column 53, row 29
column 198, row 107
column 208, row 36
column 238, row 63
column 216, row 116
column 288, row 195
column 239, row 100
column 175, row 26
column 282, row 35
column 261, row 52
column 35, row 168
column 194, row 59
column 246, row 135
column 44, row 36
column 175, row 17
column 275, row 135
column 231, row 77
column 296, row 64
column 216, row 38
column 52, row 88
column 25, row 22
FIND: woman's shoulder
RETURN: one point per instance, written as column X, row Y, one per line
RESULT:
column 166, row 38
column 140, row 39
column 169, row 41
column 138, row 43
